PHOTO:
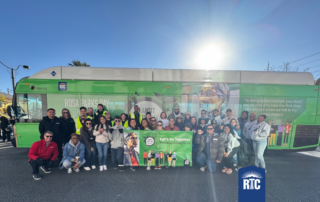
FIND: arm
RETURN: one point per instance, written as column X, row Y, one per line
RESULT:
column 81, row 155
column 220, row 149
column 198, row 139
column 84, row 138
column 110, row 137
column 96, row 132
column 55, row 153
column 33, row 150
column 65, row 154
column 41, row 130
column 73, row 127
column 229, row 146
column 264, row 133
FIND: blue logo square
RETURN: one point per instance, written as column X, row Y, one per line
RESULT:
column 62, row 86
column 53, row 73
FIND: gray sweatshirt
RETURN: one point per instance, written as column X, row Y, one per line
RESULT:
column 248, row 129
column 231, row 142
column 117, row 138
column 260, row 131
column 101, row 137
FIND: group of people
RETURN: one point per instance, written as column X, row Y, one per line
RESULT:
column 74, row 142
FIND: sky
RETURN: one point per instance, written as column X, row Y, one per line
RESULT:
column 169, row 34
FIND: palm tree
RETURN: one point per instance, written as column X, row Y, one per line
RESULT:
column 78, row 63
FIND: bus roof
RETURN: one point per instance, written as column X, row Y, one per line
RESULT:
column 174, row 75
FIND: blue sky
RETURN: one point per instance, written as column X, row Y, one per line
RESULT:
column 157, row 34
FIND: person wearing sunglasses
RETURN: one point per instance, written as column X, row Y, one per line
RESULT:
column 131, row 155
column 88, row 139
column 205, row 117
column 117, row 144
column 73, row 154
column 179, row 123
column 153, row 123
column 211, row 149
column 67, row 125
column 171, row 125
column 188, row 118
column 43, row 154
column 159, row 125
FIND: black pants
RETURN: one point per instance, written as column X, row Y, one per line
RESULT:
column 228, row 161
column 161, row 161
column 59, row 145
column 166, row 162
column 40, row 162
column 279, row 139
column 5, row 134
column 286, row 137
column 250, row 149
column 157, row 161
column 145, row 161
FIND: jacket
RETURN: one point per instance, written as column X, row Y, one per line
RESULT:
column 218, row 119
column 53, row 125
column 4, row 122
column 227, row 120
column 180, row 125
column 110, row 122
column 231, row 141
column 208, row 121
column 165, row 122
column 216, row 146
column 242, row 122
column 101, row 137
column 97, row 116
column 173, row 115
column 67, row 128
column 70, row 151
column 117, row 138
column 248, row 129
column 138, row 119
column 39, row 149
column 187, row 120
column 86, row 137
column 260, row 131
column 130, row 128
column 175, row 128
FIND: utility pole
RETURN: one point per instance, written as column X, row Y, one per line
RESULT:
column 268, row 68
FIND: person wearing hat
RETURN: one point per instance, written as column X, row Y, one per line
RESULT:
column 176, row 112
column 216, row 116
column 228, row 117
column 204, row 115
column 109, row 121
column 100, row 112
column 202, row 123
column 179, row 123
column 188, row 118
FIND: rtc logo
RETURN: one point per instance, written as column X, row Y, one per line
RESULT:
column 251, row 180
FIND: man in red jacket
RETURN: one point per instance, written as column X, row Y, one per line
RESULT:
column 42, row 154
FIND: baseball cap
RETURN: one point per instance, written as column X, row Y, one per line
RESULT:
column 229, row 110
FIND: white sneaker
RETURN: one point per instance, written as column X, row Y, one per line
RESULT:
column 203, row 168
column 105, row 167
column 69, row 170
column 93, row 167
column 87, row 168
column 101, row 168
column 77, row 170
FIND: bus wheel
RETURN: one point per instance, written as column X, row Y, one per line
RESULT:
column 13, row 141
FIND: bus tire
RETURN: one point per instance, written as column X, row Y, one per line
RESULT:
column 13, row 141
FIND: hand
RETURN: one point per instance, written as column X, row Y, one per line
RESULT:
column 111, row 130
column 121, row 130
column 76, row 166
column 226, row 155
column 101, row 130
column 75, row 160
column 91, row 149
column 218, row 161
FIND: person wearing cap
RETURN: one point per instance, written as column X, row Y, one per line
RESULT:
column 179, row 123
column 100, row 112
column 188, row 118
column 171, row 125
column 204, row 115
column 176, row 112
column 136, row 115
column 228, row 117
column 202, row 123
column 216, row 116
column 163, row 119
column 110, row 121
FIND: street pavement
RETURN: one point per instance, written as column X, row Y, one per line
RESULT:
column 291, row 176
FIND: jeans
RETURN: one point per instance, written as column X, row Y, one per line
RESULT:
column 40, row 162
column 202, row 161
column 117, row 156
column 68, row 164
column 5, row 134
column 235, row 159
column 90, row 156
column 259, row 146
column 102, row 152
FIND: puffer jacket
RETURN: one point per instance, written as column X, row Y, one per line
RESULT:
column 216, row 146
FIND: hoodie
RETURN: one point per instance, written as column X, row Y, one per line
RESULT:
column 70, row 151
column 248, row 129
column 117, row 138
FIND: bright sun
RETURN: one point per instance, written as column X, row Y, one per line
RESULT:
column 210, row 56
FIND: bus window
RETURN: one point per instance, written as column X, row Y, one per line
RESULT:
column 31, row 107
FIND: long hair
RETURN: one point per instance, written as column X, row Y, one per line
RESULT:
column 126, row 115
column 85, row 126
column 101, row 125
column 69, row 115
column 231, row 130
column 237, row 125
column 164, row 113
column 193, row 117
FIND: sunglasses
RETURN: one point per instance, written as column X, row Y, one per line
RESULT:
column 203, row 113
column 65, row 112
column 88, row 123
column 159, row 125
column 153, row 120
column 209, row 128
column 48, row 136
column 116, row 120
column 74, row 138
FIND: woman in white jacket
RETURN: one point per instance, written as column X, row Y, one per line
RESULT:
column 163, row 119
column 101, row 131
column 259, row 138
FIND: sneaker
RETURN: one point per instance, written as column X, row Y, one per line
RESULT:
column 237, row 168
column 77, row 170
column 235, row 165
column 45, row 170
column 101, row 168
column 93, row 167
column 36, row 177
column 105, row 167
column 87, row 168
column 159, row 168
column 133, row 168
column 203, row 168
column 224, row 169
column 229, row 171
column 148, row 168
column 69, row 170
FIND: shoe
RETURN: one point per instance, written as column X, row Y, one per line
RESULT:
column 159, row 168
column 87, row 168
column 45, row 170
column 203, row 168
column 69, row 170
column 101, row 168
column 77, row 170
column 148, row 168
column 224, row 169
column 36, row 177
column 237, row 168
column 105, row 167
column 93, row 167
column 133, row 168
column 229, row 171
column 235, row 165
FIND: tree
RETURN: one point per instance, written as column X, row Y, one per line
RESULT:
column 286, row 68
column 78, row 63
column 3, row 99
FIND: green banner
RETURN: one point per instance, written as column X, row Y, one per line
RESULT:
column 139, row 143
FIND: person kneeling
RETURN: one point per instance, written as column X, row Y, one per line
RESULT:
column 42, row 154
column 73, row 154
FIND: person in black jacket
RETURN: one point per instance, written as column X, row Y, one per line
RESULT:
column 88, row 139
column 53, row 124
column 4, row 125
column 67, row 125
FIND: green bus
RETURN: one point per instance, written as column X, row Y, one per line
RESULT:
column 290, row 100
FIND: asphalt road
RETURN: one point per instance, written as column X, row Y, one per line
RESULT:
column 291, row 177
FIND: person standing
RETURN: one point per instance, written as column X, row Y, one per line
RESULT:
column 81, row 119
column 4, row 125
column 53, row 124
column 242, row 120
column 157, row 156
column 205, row 117
column 153, row 123
column 174, row 158
column 88, row 139
column 287, row 129
column 163, row 119
column 124, row 120
column 133, row 125
column 110, row 121
column 136, row 115
column 210, row 150
column 43, row 154
column 90, row 114
column 148, row 118
column 188, row 118
column 117, row 144
column 171, row 125
column 176, row 112
column 280, row 132
column 247, row 133
column 145, row 157
column 73, row 154
column 100, row 112
column 228, row 117
column 273, row 131
column 166, row 159
column 217, row 117
column 67, row 125
column 101, row 132
column 161, row 158
column 259, row 137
